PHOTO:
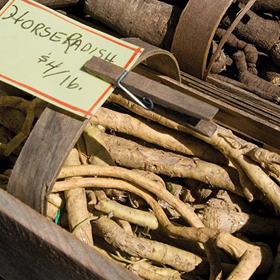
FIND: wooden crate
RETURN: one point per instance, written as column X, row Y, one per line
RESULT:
column 33, row 247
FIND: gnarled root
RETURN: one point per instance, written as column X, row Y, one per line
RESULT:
column 237, row 248
column 232, row 147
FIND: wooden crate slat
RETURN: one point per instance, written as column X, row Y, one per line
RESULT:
column 33, row 247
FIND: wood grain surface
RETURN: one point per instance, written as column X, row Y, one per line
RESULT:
column 33, row 247
column 42, row 157
column 145, row 87
column 194, row 33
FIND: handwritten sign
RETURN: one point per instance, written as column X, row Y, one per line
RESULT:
column 43, row 53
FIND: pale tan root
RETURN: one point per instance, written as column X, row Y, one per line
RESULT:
column 91, row 200
column 151, row 176
column 153, row 250
column 200, row 234
column 257, row 255
column 132, row 215
column 100, row 195
column 198, row 190
column 103, row 183
column 261, row 155
column 192, row 246
column 264, row 183
column 249, row 189
column 235, row 149
column 125, row 225
column 245, row 266
column 105, row 249
column 99, row 155
column 122, row 185
column 54, row 204
column 232, row 221
column 273, row 171
column 95, row 147
column 55, row 199
column 152, row 272
column 129, row 154
column 52, row 211
column 157, row 134
column 133, row 177
column 275, row 271
column 228, row 202
column 214, row 259
column 223, row 139
column 76, row 205
column 129, row 175
column 96, row 153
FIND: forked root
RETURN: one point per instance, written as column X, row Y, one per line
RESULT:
column 250, row 256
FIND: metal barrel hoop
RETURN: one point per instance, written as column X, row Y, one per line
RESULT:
column 195, row 31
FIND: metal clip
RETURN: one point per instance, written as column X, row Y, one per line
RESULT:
column 149, row 103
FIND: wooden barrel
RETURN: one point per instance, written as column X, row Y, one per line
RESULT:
column 194, row 34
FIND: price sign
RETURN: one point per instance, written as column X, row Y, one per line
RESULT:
column 43, row 52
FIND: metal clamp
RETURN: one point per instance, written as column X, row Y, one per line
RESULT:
column 149, row 103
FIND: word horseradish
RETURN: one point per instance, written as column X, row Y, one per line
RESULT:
column 73, row 41
column 43, row 53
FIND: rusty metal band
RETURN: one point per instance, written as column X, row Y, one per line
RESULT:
column 157, row 59
column 194, row 34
